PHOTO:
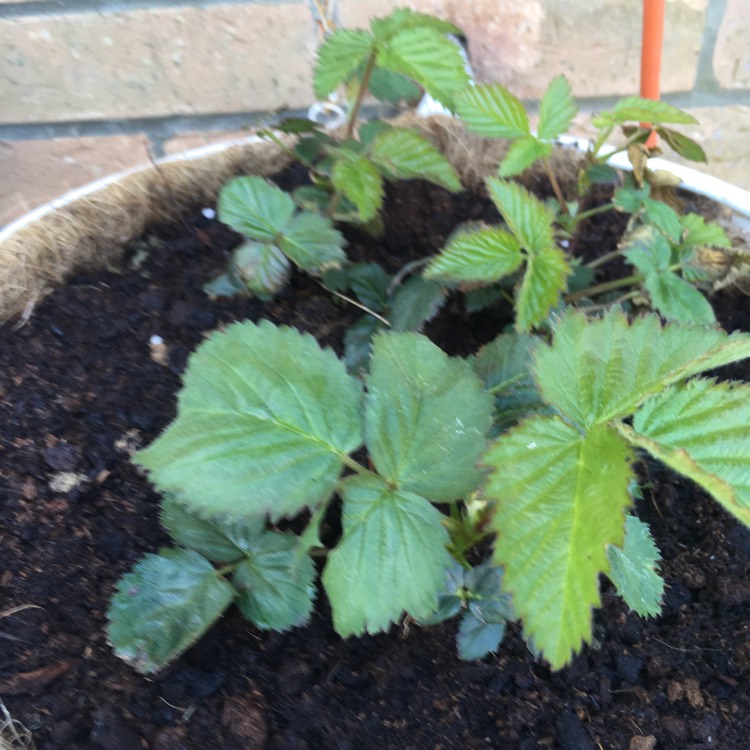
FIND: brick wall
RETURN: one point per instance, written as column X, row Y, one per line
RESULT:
column 89, row 87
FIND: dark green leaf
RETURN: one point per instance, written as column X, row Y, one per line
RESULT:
column 415, row 303
column 556, row 109
column 487, row 600
column 601, row 174
column 224, row 285
column 297, row 125
column 370, row 284
column 312, row 243
column 392, row 87
column 477, row 639
column 261, row 267
column 686, row 147
column 358, row 344
column 254, row 207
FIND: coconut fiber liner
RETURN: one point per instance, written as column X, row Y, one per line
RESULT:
column 93, row 229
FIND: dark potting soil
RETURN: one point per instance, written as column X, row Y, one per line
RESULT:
column 81, row 387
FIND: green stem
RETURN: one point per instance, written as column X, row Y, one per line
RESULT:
column 601, row 139
column 594, row 211
column 606, row 286
column 364, row 85
column 602, row 259
column 555, row 186
column 356, row 466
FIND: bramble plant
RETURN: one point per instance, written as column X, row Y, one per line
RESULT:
column 527, row 447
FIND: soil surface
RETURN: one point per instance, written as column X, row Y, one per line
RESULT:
column 81, row 387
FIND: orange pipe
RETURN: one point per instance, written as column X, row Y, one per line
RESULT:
column 651, row 47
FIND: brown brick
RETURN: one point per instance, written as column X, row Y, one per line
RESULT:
column 35, row 172
column 732, row 54
column 168, row 61
column 596, row 43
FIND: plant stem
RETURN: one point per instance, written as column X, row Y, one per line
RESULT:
column 352, row 464
column 364, row 85
column 362, row 307
column 555, row 186
column 606, row 286
column 594, row 211
column 602, row 259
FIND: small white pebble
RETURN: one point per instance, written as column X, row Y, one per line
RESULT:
column 209, row 213
column 564, row 243
column 531, row 445
column 156, row 340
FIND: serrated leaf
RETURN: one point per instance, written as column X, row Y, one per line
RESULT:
column 265, row 419
column 630, row 198
column 556, row 109
column 450, row 599
column 663, row 217
column 275, row 584
column 484, row 255
column 360, row 181
column 392, row 87
column 406, row 18
column 415, row 303
column 391, row 558
column 428, row 57
column 358, row 344
column 647, row 249
column 678, row 300
column 681, row 144
column 492, row 110
column 163, row 606
column 254, row 207
column 697, row 231
column 526, row 216
column 311, row 242
column 261, row 267
column 702, row 430
column 486, row 598
column 636, row 109
column 543, row 283
column 339, row 57
column 426, row 415
column 559, row 497
column 633, row 569
column 477, row 639
column 522, row 154
column 409, row 155
column 370, row 284
column 598, row 370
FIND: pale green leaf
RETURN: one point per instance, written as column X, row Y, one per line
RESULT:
column 526, row 216
column 633, row 569
column 426, row 417
column 360, row 181
column 415, row 303
column 339, row 57
column 647, row 249
column 409, row 155
column 254, row 207
column 391, row 558
column 522, row 154
column 702, row 430
column 560, row 498
column 265, row 420
column 678, row 300
column 543, row 283
column 491, row 110
column 406, row 18
column 681, row 144
column 598, row 370
column 312, row 243
column 261, row 267
column 427, row 56
column 663, row 217
column 697, row 231
column 484, row 256
column 477, row 638
column 164, row 606
column 556, row 109
column 636, row 109
column 275, row 584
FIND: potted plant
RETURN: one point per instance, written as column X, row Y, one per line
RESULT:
column 495, row 486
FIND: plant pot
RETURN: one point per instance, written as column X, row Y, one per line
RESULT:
column 76, row 514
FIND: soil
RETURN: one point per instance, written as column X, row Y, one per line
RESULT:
column 81, row 387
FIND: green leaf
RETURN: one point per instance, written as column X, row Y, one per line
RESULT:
column 522, row 154
column 409, row 155
column 261, row 267
column 405, row 18
column 630, row 198
column 276, row 583
column 636, row 109
column 224, row 285
column 450, row 599
column 696, row 231
column 556, row 109
column 265, row 420
column 426, row 415
column 391, row 558
column 598, row 370
column 312, row 243
column 164, row 606
column 360, row 181
column 392, row 87
column 339, row 57
column 254, row 207
column 633, row 569
column 702, row 430
column 602, row 174
column 486, row 598
column 678, row 300
column 681, row 144
column 415, row 303
column 370, row 284
column 663, row 217
column 543, row 282
column 491, row 110
column 559, row 501
column 526, row 216
column 428, row 57
column 484, row 255
column 358, row 344
column 476, row 639
column 647, row 249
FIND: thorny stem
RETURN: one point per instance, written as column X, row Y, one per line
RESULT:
column 364, row 85
column 555, row 186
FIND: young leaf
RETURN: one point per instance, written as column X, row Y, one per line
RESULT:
column 415, row 303
column 633, row 569
column 164, row 606
column 392, row 87
column 491, row 110
column 339, row 57
column 522, row 154
column 254, row 207
column 636, row 109
column 560, row 498
column 556, row 109
column 702, row 430
column 275, row 583
column 261, row 267
column 477, row 638
column 487, row 600
column 696, row 231
column 686, row 147
column 312, row 243
column 426, row 416
column 391, row 558
column 406, row 18
column 409, row 155
column 678, row 300
column 543, row 282
column 265, row 420
column 483, row 256
column 360, row 181
column 450, row 599
column 598, row 370
column 358, row 344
